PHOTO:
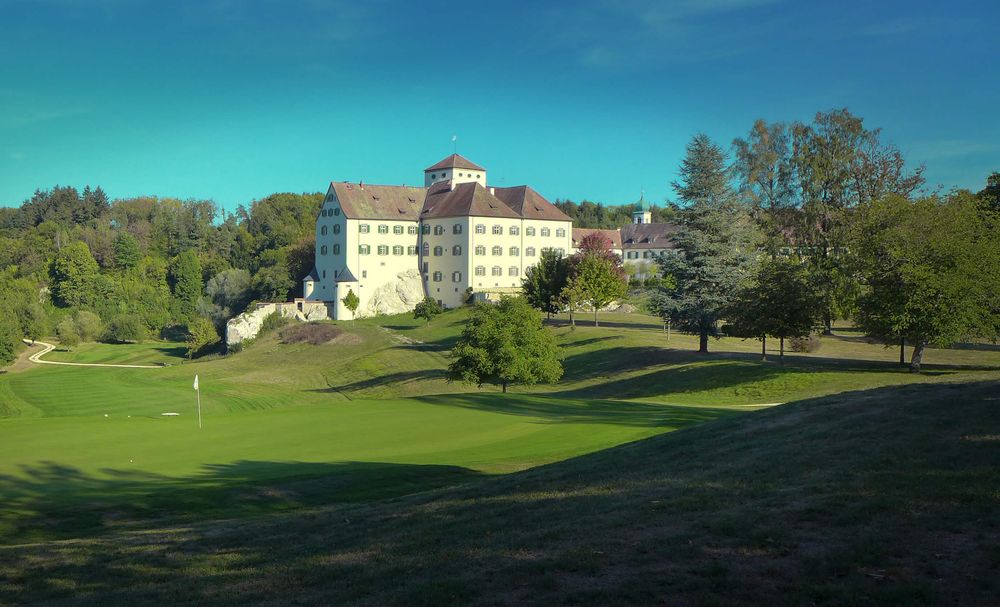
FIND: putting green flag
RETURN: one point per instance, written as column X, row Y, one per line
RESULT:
column 195, row 382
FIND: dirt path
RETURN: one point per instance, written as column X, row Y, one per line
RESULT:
column 46, row 348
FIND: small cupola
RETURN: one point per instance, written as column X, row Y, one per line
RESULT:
column 643, row 212
column 455, row 169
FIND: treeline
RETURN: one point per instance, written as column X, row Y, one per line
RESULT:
column 145, row 266
column 595, row 215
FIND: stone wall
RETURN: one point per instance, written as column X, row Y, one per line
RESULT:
column 247, row 325
column 396, row 297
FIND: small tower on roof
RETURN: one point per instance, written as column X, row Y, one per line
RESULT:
column 455, row 169
column 643, row 212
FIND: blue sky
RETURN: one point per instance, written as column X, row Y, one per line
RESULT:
column 234, row 99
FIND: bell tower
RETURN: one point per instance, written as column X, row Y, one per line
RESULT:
column 643, row 212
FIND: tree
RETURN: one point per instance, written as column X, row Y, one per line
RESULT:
column 351, row 302
column 74, row 275
column 544, row 282
column 990, row 195
column 505, row 343
column 227, row 294
column 930, row 270
column 599, row 280
column 67, row 332
column 273, row 283
column 572, row 296
column 34, row 320
column 185, row 280
column 10, row 340
column 427, row 309
column 716, row 242
column 126, row 251
column 763, row 164
column 124, row 328
column 200, row 335
column 88, row 325
column 781, row 301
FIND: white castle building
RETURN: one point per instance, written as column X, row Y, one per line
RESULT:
column 455, row 237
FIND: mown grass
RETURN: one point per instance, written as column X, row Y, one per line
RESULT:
column 349, row 428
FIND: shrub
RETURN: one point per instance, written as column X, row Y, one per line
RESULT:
column 201, row 336
column 427, row 309
column 88, row 325
column 314, row 333
column 272, row 321
column 124, row 328
column 810, row 343
column 67, row 333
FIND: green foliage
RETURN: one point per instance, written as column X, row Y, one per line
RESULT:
column 124, row 328
column 88, row 325
column 717, row 246
column 272, row 322
column 989, row 196
column 227, row 295
column 595, row 215
column 544, row 282
column 201, row 335
column 931, row 271
column 427, row 309
column 505, row 343
column 74, row 275
column 10, row 340
column 351, row 301
column 273, row 283
column 67, row 332
column 185, row 281
column 598, row 279
column 127, row 254
column 781, row 301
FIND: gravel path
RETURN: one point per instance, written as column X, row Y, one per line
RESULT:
column 46, row 348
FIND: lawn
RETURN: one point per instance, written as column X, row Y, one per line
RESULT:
column 345, row 430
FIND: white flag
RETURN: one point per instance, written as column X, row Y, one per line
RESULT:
column 454, row 138
column 195, row 382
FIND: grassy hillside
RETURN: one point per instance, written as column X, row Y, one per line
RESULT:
column 879, row 496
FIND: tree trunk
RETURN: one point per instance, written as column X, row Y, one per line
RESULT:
column 572, row 320
column 595, row 316
column 918, row 354
column 504, row 384
column 763, row 347
column 902, row 351
column 828, row 323
column 781, row 351
column 668, row 330
column 703, row 341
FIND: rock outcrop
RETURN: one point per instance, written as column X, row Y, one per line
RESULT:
column 247, row 325
column 398, row 296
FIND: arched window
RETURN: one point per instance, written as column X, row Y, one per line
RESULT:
column 336, row 228
column 322, row 231
column 336, row 249
column 498, row 250
column 438, row 251
column 322, row 250
column 456, row 250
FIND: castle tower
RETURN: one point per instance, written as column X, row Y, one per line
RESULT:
column 455, row 169
column 644, row 212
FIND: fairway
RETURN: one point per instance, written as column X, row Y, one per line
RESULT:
column 291, row 426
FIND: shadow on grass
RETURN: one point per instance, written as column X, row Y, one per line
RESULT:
column 562, row 410
column 50, row 501
column 385, row 380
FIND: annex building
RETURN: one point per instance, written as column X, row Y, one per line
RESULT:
column 455, row 237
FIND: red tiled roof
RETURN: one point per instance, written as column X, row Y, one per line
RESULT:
column 529, row 204
column 615, row 236
column 366, row 201
column 455, row 162
column 466, row 199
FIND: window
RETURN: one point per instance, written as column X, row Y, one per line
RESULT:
column 514, row 230
column 546, row 232
column 456, row 250
column 433, row 175
column 438, row 251
column 322, row 212
column 480, row 270
column 438, row 230
column 497, row 271
column 397, row 229
column 498, row 250
column 425, row 229
column 645, row 254
column 411, row 250
column 437, row 276
column 364, row 228
column 322, row 250
column 383, row 249
column 512, row 271
column 480, row 228
column 336, row 211
column 426, row 249
column 364, row 249
column 456, row 277
column 336, row 228
column 560, row 233
column 529, row 252
column 498, row 230
column 336, row 249
column 364, row 273
column 411, row 229
column 480, row 249
column 456, row 229
column 514, row 251
column 322, row 231
column 383, row 229
column 397, row 249
column 529, row 231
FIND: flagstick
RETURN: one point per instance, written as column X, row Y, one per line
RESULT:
column 199, row 406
